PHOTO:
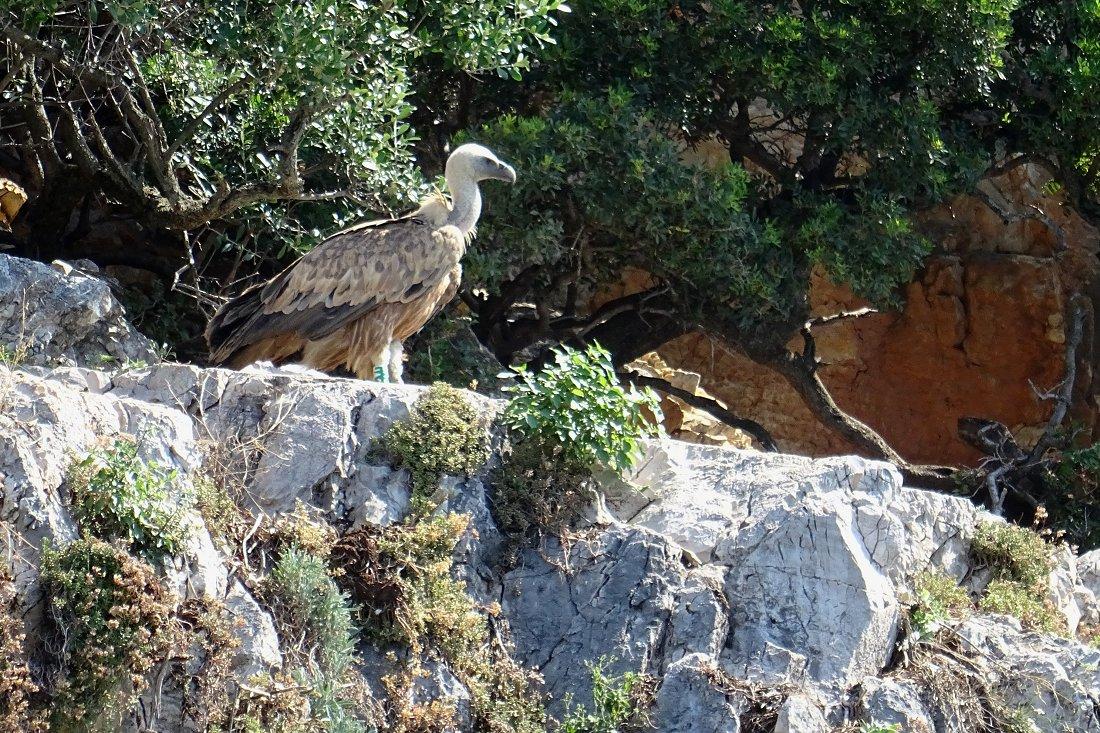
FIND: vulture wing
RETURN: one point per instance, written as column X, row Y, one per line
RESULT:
column 342, row 279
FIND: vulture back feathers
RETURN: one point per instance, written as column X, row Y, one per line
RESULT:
column 350, row 302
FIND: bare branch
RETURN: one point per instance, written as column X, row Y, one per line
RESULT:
column 42, row 50
column 578, row 327
column 842, row 316
column 1035, row 213
column 69, row 130
column 39, row 124
column 1013, row 470
column 713, row 407
column 800, row 371
column 1065, row 391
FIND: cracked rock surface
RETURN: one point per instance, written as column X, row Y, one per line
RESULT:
column 720, row 572
column 52, row 318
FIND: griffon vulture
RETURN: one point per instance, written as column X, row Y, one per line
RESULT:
column 351, row 301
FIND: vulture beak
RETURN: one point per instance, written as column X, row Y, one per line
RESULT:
column 506, row 173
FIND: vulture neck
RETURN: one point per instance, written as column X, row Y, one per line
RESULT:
column 465, row 204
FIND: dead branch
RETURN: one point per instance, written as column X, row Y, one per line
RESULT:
column 711, row 406
column 1034, row 213
column 1009, row 469
column 1065, row 393
column 842, row 316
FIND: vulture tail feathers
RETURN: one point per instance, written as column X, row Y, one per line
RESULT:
column 223, row 335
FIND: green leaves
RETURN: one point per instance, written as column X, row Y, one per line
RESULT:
column 117, row 495
column 577, row 404
column 618, row 703
column 604, row 189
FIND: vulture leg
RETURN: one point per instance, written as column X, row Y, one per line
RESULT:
column 377, row 367
column 396, row 361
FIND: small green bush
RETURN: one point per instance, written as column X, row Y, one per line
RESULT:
column 443, row 434
column 113, row 621
column 577, row 403
column 879, row 728
column 219, row 512
column 939, row 599
column 1072, row 496
column 117, row 495
column 211, row 633
column 315, row 623
column 401, row 575
column 1012, row 553
column 311, row 610
column 619, row 704
column 537, row 489
column 1016, row 599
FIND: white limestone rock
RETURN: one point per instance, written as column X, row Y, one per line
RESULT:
column 689, row 701
column 51, row 318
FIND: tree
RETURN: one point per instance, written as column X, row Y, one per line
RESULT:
column 841, row 120
column 221, row 118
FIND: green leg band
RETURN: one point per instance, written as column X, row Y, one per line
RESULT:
column 380, row 374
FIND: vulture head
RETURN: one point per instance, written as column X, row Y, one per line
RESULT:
column 477, row 163
column 466, row 166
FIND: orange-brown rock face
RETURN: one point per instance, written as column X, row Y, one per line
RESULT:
column 981, row 324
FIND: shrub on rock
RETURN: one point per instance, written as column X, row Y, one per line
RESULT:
column 112, row 621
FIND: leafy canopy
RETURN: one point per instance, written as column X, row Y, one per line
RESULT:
column 726, row 147
column 577, row 404
column 253, row 96
column 729, row 147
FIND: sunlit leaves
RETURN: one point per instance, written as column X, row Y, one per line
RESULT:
column 577, row 405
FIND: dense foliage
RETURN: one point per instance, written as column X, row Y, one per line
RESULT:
column 118, row 495
column 576, row 404
column 402, row 576
column 827, row 126
column 619, row 703
column 203, row 112
column 113, row 622
column 314, row 616
column 719, row 150
column 1072, row 496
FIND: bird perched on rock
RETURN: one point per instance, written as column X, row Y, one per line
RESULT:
column 351, row 301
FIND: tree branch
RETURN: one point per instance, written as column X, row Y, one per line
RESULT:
column 738, row 133
column 713, row 407
column 42, row 50
column 193, row 126
column 1064, row 398
column 800, row 371
column 1010, row 217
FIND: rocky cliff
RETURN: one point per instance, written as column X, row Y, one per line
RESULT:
column 749, row 591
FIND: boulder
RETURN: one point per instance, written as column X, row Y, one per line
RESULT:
column 66, row 316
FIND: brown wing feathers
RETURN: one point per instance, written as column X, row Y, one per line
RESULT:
column 340, row 281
